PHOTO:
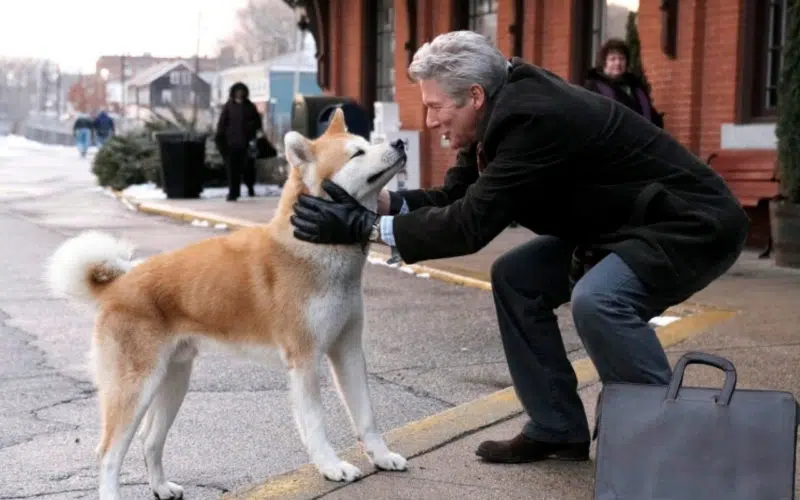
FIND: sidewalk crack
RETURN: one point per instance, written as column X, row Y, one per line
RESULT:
column 421, row 393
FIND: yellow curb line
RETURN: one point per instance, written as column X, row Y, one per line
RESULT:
column 435, row 431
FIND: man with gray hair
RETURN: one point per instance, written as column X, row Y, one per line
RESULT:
column 628, row 222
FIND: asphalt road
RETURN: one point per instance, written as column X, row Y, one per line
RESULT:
column 430, row 346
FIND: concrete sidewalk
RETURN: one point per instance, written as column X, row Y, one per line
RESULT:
column 752, row 321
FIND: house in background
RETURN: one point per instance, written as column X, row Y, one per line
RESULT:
column 117, row 70
column 165, row 85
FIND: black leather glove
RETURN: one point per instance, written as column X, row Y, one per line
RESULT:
column 343, row 221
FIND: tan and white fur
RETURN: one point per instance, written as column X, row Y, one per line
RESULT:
column 257, row 290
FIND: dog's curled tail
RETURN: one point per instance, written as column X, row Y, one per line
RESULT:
column 84, row 265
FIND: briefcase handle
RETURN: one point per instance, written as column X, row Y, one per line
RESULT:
column 703, row 358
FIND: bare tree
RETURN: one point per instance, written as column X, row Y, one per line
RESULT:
column 266, row 29
column 21, row 87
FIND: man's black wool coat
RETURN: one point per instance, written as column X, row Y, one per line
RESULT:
column 567, row 162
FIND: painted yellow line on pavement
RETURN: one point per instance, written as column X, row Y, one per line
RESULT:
column 435, row 431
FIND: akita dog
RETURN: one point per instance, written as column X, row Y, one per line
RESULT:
column 252, row 289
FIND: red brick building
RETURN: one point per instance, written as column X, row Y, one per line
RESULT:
column 713, row 65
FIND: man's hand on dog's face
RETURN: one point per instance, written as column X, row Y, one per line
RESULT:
column 343, row 221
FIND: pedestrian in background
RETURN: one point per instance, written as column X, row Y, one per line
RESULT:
column 238, row 125
column 611, row 77
column 103, row 127
column 82, row 131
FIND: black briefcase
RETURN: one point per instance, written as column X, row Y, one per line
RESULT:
column 685, row 443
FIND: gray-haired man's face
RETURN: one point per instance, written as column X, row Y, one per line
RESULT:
column 457, row 124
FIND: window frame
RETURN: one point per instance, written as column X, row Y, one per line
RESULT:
column 588, row 33
column 473, row 17
column 757, row 30
column 385, row 78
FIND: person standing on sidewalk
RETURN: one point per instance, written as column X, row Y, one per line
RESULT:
column 82, row 130
column 104, row 127
column 612, row 79
column 578, row 170
column 238, row 125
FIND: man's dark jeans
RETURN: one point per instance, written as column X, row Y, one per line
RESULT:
column 611, row 309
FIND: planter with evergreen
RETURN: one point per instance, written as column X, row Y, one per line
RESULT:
column 785, row 210
column 635, row 65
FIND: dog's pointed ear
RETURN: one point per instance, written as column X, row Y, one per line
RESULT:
column 297, row 148
column 337, row 124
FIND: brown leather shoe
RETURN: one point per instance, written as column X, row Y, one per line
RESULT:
column 521, row 449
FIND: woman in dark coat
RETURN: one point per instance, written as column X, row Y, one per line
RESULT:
column 612, row 79
column 239, row 123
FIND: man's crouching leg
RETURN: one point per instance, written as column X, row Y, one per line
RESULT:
column 611, row 309
column 528, row 283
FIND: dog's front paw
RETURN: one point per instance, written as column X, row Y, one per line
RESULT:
column 341, row 471
column 390, row 461
column 168, row 491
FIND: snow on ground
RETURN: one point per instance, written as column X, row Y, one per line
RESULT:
column 150, row 191
column 13, row 146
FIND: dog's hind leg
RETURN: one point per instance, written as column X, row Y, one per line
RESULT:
column 160, row 416
column 308, row 413
column 124, row 396
column 346, row 356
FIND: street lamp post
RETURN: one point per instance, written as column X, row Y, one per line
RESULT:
column 302, row 27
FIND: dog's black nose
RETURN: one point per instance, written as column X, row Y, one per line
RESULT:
column 399, row 145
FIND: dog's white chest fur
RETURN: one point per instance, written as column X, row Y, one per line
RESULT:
column 339, row 300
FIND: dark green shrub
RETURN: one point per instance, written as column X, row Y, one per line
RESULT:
column 787, row 128
column 128, row 159
column 635, row 65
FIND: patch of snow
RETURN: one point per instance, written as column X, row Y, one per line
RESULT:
column 12, row 146
column 150, row 191
column 397, row 265
column 664, row 320
column 147, row 191
column 130, row 206
column 220, row 225
column 200, row 223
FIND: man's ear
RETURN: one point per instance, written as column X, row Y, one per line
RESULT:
column 477, row 96
column 297, row 148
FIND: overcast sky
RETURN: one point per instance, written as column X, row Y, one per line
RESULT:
column 75, row 33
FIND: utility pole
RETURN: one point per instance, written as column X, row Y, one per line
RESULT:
column 196, row 75
column 302, row 26
column 58, row 91
column 122, row 64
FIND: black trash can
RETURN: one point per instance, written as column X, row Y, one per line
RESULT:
column 183, row 156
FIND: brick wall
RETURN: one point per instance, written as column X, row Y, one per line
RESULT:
column 698, row 89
